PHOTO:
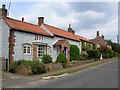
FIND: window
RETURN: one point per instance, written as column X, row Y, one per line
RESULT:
column 26, row 49
column 58, row 50
column 38, row 37
column 42, row 49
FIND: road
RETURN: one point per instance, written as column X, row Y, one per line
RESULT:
column 102, row 76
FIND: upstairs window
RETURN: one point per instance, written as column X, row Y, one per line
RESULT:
column 38, row 37
column 26, row 49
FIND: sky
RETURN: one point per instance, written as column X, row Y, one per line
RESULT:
column 86, row 18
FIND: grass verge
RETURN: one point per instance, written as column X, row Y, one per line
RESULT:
column 81, row 67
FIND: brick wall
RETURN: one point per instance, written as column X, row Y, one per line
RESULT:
column 11, row 46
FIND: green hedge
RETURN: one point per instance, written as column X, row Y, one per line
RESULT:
column 74, row 53
column 62, row 59
column 93, row 54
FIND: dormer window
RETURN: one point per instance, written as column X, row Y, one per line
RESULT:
column 38, row 37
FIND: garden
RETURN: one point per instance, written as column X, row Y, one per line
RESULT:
column 88, row 55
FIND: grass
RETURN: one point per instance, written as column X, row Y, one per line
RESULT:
column 81, row 67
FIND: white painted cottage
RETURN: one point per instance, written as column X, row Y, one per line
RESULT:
column 22, row 40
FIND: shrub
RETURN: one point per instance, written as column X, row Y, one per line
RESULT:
column 84, row 55
column 38, row 68
column 47, row 59
column 98, row 55
column 35, row 66
column 12, row 68
column 74, row 53
column 92, row 54
column 62, row 59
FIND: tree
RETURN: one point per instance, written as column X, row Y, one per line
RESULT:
column 115, row 46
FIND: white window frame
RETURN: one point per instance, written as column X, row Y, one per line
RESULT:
column 38, row 37
column 43, row 50
column 28, row 47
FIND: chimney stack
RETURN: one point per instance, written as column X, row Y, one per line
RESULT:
column 40, row 20
column 23, row 19
column 97, row 33
column 3, row 11
column 71, row 30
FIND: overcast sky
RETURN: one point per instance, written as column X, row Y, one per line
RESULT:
column 86, row 18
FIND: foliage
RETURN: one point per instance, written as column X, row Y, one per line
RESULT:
column 94, row 46
column 62, row 59
column 35, row 66
column 47, row 59
column 98, row 54
column 74, row 53
column 12, row 68
column 38, row 68
column 93, row 54
column 115, row 46
column 84, row 55
column 104, row 49
column 108, row 54
column 86, row 47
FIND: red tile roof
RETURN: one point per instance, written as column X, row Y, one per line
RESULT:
column 84, row 39
column 59, row 42
column 99, row 40
column 24, row 26
column 61, row 33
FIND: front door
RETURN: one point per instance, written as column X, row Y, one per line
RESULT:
column 65, row 51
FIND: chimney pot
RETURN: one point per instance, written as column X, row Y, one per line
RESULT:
column 3, row 11
column 3, row 6
column 70, row 29
column 97, row 33
column 40, row 20
column 23, row 19
column 102, row 36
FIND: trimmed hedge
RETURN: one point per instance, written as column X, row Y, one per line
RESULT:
column 47, row 59
column 61, row 58
column 74, row 53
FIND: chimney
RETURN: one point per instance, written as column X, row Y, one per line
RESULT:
column 23, row 19
column 102, row 36
column 40, row 20
column 97, row 33
column 3, row 11
column 71, row 30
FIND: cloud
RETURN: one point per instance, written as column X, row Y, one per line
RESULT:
column 109, row 30
column 84, row 21
column 93, row 15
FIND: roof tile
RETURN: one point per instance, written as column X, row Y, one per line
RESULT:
column 24, row 26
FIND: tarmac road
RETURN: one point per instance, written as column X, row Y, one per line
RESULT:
column 102, row 76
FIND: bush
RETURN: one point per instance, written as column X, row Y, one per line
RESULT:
column 62, row 59
column 38, row 68
column 92, row 54
column 84, row 55
column 12, row 68
column 74, row 53
column 35, row 66
column 47, row 59
column 98, row 55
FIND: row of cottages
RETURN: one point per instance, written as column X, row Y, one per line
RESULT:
column 23, row 40
column 100, row 42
